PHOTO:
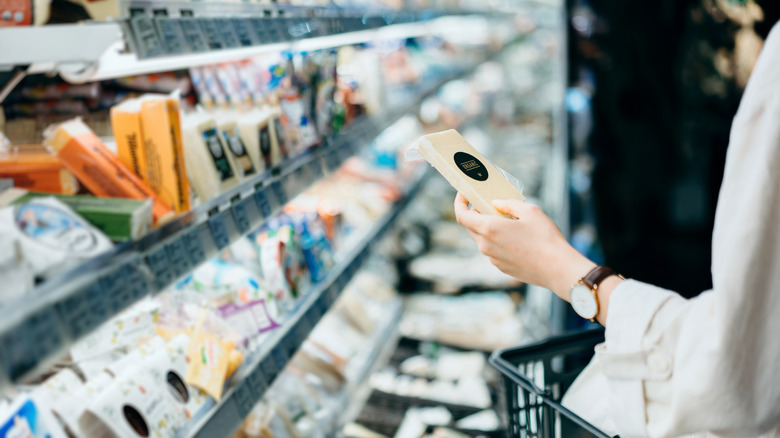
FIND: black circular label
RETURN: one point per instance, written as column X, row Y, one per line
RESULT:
column 472, row 167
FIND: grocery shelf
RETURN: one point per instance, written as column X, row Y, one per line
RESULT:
column 260, row 370
column 166, row 36
column 41, row 325
column 383, row 344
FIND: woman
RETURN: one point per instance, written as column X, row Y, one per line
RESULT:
column 671, row 366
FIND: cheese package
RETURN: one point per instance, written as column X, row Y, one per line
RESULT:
column 34, row 168
column 166, row 172
column 82, row 152
column 466, row 169
column 119, row 218
column 256, row 131
column 51, row 239
column 235, row 146
column 126, row 124
column 279, row 131
column 211, row 168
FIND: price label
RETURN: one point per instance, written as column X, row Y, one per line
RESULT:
column 136, row 282
column 219, row 231
column 193, row 35
column 278, row 31
column 278, row 191
column 161, row 270
column 213, row 38
column 194, row 247
column 243, row 29
column 256, row 382
column 146, row 38
column 172, row 36
column 269, row 368
column 243, row 399
column 279, row 357
column 291, row 341
column 42, row 328
column 177, row 256
column 117, row 290
column 75, row 313
column 263, row 204
column 333, row 291
column 229, row 37
column 259, row 28
column 17, row 356
column 240, row 216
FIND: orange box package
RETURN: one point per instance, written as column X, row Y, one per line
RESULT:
column 36, row 169
column 165, row 170
column 82, row 152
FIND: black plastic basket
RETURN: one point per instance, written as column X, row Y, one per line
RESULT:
column 535, row 379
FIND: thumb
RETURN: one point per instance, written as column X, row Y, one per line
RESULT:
column 512, row 207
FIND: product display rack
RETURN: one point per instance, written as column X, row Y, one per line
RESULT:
column 72, row 305
column 383, row 344
column 254, row 377
column 166, row 36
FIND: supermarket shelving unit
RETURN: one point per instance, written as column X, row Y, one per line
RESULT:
column 165, row 36
column 42, row 325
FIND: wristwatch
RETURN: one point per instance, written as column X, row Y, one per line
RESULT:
column 583, row 295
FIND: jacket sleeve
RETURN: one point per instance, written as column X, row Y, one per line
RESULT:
column 677, row 366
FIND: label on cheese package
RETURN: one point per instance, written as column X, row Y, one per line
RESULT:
column 82, row 152
column 126, row 124
column 235, row 146
column 210, row 168
column 466, row 169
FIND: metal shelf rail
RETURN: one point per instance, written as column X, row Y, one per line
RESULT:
column 166, row 36
column 40, row 326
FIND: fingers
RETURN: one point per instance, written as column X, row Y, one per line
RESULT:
column 468, row 218
column 512, row 207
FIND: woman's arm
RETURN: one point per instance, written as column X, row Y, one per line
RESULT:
column 531, row 249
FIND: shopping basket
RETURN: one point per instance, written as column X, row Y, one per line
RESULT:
column 536, row 377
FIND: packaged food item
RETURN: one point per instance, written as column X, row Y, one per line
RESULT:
column 133, row 404
column 99, row 10
column 52, row 238
column 211, row 168
column 34, row 168
column 166, row 171
column 278, row 133
column 256, row 131
column 235, row 145
column 25, row 13
column 466, row 169
column 16, row 273
column 25, row 418
column 119, row 218
column 97, row 168
column 129, row 136
column 209, row 362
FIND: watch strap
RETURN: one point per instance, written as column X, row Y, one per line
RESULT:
column 597, row 275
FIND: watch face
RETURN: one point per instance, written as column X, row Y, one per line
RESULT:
column 583, row 301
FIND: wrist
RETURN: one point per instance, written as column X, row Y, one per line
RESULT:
column 572, row 268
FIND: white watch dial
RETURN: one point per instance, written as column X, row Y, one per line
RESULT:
column 583, row 301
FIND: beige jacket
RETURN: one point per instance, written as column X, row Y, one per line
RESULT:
column 708, row 366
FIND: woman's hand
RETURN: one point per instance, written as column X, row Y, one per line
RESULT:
column 531, row 249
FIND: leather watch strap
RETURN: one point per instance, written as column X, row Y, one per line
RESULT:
column 597, row 275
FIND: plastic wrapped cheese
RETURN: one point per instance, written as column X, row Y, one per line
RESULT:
column 466, row 169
